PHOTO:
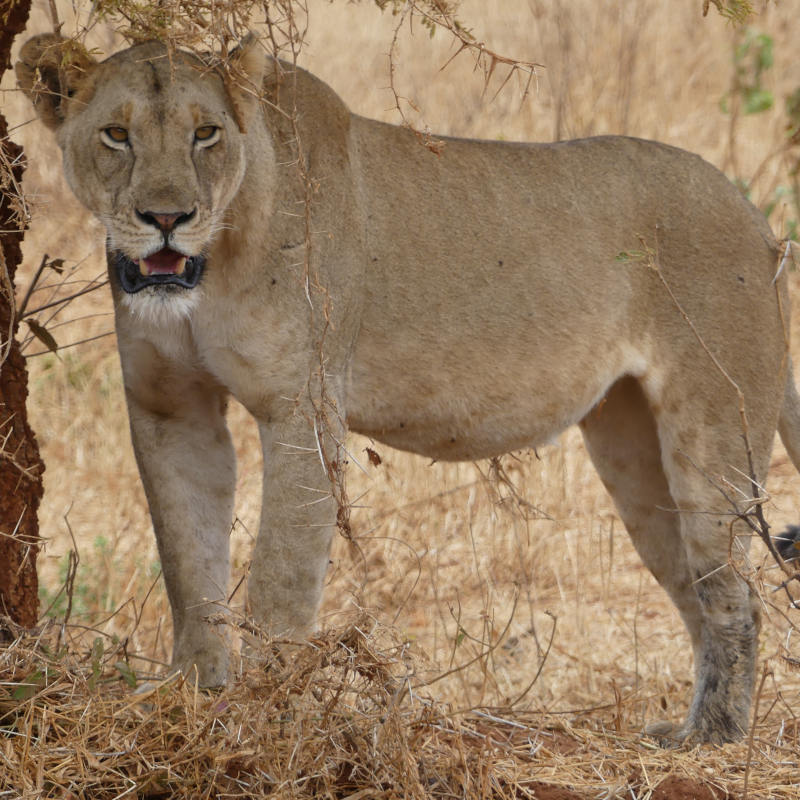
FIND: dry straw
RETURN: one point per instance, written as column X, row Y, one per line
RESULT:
column 337, row 717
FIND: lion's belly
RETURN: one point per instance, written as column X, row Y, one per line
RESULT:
column 482, row 408
column 448, row 434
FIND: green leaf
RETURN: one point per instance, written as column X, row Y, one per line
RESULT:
column 127, row 674
column 97, row 657
column 764, row 52
column 32, row 684
column 757, row 100
column 793, row 111
column 97, row 650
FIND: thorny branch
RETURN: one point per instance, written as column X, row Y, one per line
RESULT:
column 440, row 14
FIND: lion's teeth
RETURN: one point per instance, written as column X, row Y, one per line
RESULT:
column 143, row 267
column 181, row 266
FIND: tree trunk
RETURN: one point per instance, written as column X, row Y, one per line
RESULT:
column 21, row 466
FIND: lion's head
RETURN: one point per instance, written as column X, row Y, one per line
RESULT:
column 153, row 145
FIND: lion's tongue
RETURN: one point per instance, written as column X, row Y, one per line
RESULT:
column 164, row 262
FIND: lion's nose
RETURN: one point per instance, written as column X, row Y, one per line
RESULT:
column 165, row 222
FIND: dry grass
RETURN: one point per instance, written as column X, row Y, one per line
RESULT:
column 342, row 716
column 453, row 575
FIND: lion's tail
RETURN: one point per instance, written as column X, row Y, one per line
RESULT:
column 788, row 542
column 789, row 422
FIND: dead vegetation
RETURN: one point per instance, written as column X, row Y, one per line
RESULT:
column 345, row 715
column 514, row 645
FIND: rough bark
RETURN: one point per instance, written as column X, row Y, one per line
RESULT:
column 21, row 467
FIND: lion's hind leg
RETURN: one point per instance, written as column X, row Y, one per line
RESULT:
column 622, row 440
column 707, row 462
column 659, row 473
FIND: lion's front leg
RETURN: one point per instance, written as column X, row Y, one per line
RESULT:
column 298, row 516
column 188, row 468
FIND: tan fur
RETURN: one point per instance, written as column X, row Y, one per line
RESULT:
column 474, row 302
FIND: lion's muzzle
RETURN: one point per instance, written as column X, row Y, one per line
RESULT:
column 165, row 268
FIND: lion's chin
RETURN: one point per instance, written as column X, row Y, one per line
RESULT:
column 160, row 290
column 160, row 306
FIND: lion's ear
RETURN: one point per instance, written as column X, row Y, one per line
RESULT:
column 249, row 60
column 51, row 70
column 248, row 68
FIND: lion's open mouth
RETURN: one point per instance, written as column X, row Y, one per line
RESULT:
column 166, row 267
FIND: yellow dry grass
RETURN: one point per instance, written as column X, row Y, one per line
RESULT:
column 531, row 595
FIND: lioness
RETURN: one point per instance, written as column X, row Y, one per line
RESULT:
column 330, row 272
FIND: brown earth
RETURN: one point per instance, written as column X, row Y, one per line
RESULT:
column 677, row 788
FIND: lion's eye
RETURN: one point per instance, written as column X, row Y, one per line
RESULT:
column 207, row 135
column 114, row 136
